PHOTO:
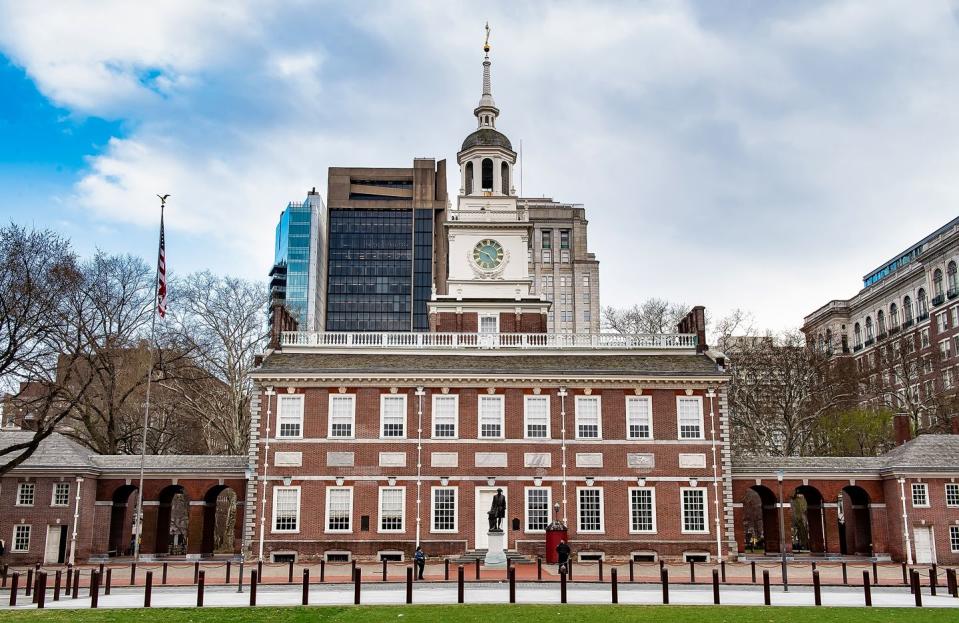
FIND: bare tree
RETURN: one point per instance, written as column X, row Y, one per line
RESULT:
column 652, row 316
column 221, row 323
column 38, row 275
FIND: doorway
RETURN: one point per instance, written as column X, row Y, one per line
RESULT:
column 56, row 546
column 483, row 500
column 925, row 550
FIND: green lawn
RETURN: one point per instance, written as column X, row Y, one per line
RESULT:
column 493, row 614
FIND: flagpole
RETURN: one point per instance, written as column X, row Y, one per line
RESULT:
column 137, row 525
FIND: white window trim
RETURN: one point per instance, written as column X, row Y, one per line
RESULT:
column 279, row 401
column 951, row 548
column 299, row 514
column 912, row 491
column 13, row 539
column 456, row 416
column 946, row 491
column 326, row 519
column 329, row 417
column 549, row 413
column 379, row 515
column 456, row 510
column 599, row 419
column 682, row 515
column 549, row 507
column 383, row 399
column 479, row 324
column 20, row 487
column 649, row 402
column 702, row 426
column 602, row 511
column 53, row 494
column 501, row 398
column 629, row 506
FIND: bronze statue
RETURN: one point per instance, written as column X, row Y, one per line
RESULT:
column 497, row 512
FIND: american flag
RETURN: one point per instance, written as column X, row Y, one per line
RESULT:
column 161, row 273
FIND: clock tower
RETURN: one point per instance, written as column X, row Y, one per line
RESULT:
column 488, row 233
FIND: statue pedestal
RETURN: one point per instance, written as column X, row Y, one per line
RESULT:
column 495, row 557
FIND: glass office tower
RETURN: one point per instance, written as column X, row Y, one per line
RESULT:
column 293, row 279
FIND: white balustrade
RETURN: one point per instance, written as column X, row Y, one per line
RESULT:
column 523, row 341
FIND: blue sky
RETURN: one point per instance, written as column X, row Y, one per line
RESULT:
column 754, row 154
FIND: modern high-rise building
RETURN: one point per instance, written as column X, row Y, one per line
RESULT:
column 385, row 244
column 295, row 278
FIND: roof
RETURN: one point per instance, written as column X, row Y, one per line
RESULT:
column 59, row 452
column 487, row 137
column 926, row 452
column 626, row 365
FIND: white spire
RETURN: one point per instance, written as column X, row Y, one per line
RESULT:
column 486, row 111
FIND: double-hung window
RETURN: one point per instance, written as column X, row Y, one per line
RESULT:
column 342, row 412
column 642, row 509
column 537, row 508
column 491, row 417
column 952, row 494
column 289, row 416
column 392, row 505
column 443, row 511
column 536, row 417
column 286, row 509
column 26, row 493
column 21, row 538
column 639, row 420
column 392, row 416
column 920, row 494
column 445, row 416
column 589, row 509
column 61, row 494
column 689, row 415
column 339, row 509
column 954, row 538
column 589, row 423
column 694, row 509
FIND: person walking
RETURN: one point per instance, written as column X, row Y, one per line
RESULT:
column 562, row 551
column 419, row 557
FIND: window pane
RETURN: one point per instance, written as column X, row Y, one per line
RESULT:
column 587, row 417
column 444, row 416
column 637, row 416
column 25, row 494
column 21, row 538
column 338, row 511
column 690, row 415
column 394, row 416
column 61, row 494
column 590, row 510
column 952, row 494
column 537, row 509
column 391, row 509
column 694, row 510
column 291, row 415
column 444, row 509
column 491, row 422
column 641, row 510
column 341, row 416
column 537, row 416
column 287, row 507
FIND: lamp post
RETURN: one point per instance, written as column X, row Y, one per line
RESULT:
column 782, row 532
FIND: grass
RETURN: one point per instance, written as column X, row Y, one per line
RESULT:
column 491, row 614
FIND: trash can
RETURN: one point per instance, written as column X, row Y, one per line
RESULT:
column 556, row 532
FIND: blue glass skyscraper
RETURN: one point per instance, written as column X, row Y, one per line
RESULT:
column 294, row 277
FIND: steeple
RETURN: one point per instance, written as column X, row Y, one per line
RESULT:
column 486, row 111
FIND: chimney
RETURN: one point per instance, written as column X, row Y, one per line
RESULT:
column 902, row 428
column 955, row 425
column 282, row 320
column 695, row 322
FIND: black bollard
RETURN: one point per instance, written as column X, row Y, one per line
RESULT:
column 322, row 571
column 446, row 569
column 539, row 568
column 357, row 579
column 163, row 577
column 632, row 572
column 766, row 599
column 200, row 581
column 715, row 587
column 100, row 569
column 227, row 580
column 613, row 585
column 28, row 589
column 69, row 584
column 41, row 591
column 875, row 573
column 289, row 574
column 477, row 568
column 664, row 579
column 600, row 569
column 932, row 580
column 253, row 578
column 692, row 571
column 14, row 581
column 866, row 591
column 76, row 584
column 459, row 584
column 722, row 570
column 916, row 588
column 845, row 578
column 239, row 578
column 352, row 568
column 108, row 584
column 511, row 574
column 951, row 582
column 196, row 572
column 753, row 567
column 569, row 569
column 306, row 587
column 384, row 569
column 148, row 590
column 409, row 583
column 259, row 570
column 817, row 593
column 94, row 589
column 562, row 585
column 935, row 574
column 905, row 574
column 57, row 578
column 3, row 576
column 133, row 574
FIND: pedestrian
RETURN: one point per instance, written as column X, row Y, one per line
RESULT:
column 563, row 551
column 3, row 548
column 419, row 557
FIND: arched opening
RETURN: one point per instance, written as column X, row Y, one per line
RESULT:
column 809, row 526
column 760, row 520
column 829, row 341
column 881, row 322
column 219, row 520
column 937, row 283
column 855, row 530
column 468, row 189
column 869, row 334
column 504, row 174
column 173, row 521
column 487, row 179
column 893, row 316
column 857, row 335
column 922, row 306
column 121, row 522
column 907, row 310
column 951, row 272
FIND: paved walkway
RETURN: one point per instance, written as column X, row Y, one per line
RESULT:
column 486, row 592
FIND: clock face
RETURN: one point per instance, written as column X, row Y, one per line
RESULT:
column 488, row 254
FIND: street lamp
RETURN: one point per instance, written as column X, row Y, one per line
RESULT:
column 782, row 531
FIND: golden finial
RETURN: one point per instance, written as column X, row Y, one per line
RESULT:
column 486, row 43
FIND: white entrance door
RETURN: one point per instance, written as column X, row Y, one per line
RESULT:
column 51, row 554
column 484, row 499
column 925, row 548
